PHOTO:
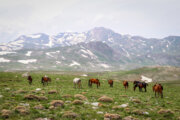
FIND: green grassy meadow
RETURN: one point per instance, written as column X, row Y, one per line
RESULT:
column 11, row 82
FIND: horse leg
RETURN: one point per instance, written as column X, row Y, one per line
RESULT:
column 145, row 88
column 97, row 85
column 155, row 93
column 161, row 94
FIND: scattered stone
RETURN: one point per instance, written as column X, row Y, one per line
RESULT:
column 24, row 104
column 5, row 113
column 77, row 102
column 146, row 113
column 84, row 93
column 127, row 109
column 138, row 112
column 42, row 119
column 67, row 96
column 95, row 104
column 129, row 118
column 105, row 99
column 123, row 96
column 42, row 98
column 52, row 92
column 94, row 107
column 109, row 116
column 22, row 110
column 7, row 89
column 57, row 103
column 120, row 106
column 163, row 111
column 81, row 97
column 51, row 107
column 39, row 107
column 31, row 97
column 70, row 115
column 38, row 89
column 20, row 91
column 1, row 96
column 57, row 79
column 67, row 101
column 34, row 97
column 178, row 118
column 136, row 100
column 99, row 112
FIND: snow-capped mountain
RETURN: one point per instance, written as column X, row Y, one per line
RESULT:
column 96, row 49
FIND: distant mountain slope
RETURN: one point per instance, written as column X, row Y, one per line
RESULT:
column 98, row 49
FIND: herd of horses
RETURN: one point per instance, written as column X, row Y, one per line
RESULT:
column 157, row 88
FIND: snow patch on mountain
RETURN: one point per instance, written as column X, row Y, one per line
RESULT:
column 4, row 60
column 58, row 62
column 6, row 52
column 28, row 53
column 34, row 36
column 104, row 65
column 84, row 56
column 88, row 52
column 27, row 61
column 74, row 63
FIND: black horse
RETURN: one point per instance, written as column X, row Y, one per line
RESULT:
column 140, row 85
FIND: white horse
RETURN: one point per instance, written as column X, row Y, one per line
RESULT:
column 77, row 81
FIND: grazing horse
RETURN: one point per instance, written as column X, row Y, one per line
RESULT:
column 140, row 85
column 159, row 89
column 126, row 84
column 77, row 81
column 29, row 78
column 110, row 82
column 95, row 81
column 45, row 80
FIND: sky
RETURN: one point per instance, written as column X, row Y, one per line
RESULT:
column 147, row 18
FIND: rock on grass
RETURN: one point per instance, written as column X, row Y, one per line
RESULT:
column 43, row 119
column 163, row 111
column 52, row 92
column 109, row 116
column 105, row 99
column 5, row 113
column 34, row 97
column 77, row 102
column 22, row 110
column 70, row 115
column 39, row 107
column 81, row 97
column 20, row 91
column 130, row 118
column 136, row 100
column 57, row 103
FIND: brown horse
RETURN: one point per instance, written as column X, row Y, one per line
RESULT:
column 159, row 89
column 29, row 78
column 45, row 80
column 110, row 82
column 126, row 84
column 95, row 81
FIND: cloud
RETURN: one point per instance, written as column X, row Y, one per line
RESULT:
column 153, row 18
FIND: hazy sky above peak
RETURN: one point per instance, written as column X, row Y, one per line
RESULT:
column 147, row 18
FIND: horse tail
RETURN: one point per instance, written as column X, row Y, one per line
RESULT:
column 42, row 80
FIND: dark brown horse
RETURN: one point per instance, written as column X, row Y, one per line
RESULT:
column 140, row 85
column 110, row 82
column 29, row 78
column 45, row 80
column 126, row 84
column 158, row 88
column 95, row 81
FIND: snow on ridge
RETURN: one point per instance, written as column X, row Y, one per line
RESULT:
column 88, row 52
column 152, row 47
column 74, row 63
column 50, row 53
column 58, row 62
column 28, row 53
column 34, row 36
column 127, row 54
column 84, row 56
column 4, row 60
column 50, row 44
column 104, row 65
column 27, row 61
column 6, row 52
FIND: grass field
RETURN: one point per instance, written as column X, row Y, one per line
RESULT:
column 140, row 105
